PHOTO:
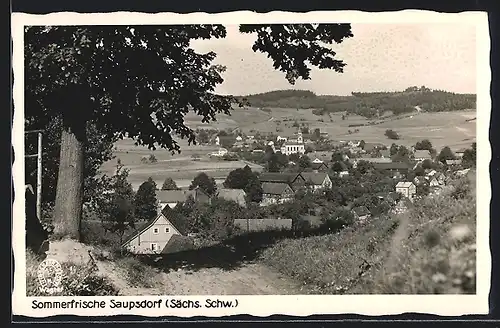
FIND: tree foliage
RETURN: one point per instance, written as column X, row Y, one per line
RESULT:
column 169, row 184
column 391, row 134
column 205, row 183
column 244, row 178
column 445, row 154
column 469, row 157
column 98, row 150
column 115, row 206
column 145, row 202
column 140, row 81
column 367, row 104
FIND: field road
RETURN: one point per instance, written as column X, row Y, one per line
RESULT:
column 247, row 279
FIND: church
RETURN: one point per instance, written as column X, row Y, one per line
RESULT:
column 294, row 146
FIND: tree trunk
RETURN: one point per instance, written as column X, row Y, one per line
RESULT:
column 69, row 194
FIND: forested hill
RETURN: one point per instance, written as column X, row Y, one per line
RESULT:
column 368, row 104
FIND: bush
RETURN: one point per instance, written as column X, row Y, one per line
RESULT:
column 391, row 134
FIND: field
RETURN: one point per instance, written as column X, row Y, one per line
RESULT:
column 441, row 128
column 180, row 167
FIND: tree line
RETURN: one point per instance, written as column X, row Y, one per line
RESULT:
column 367, row 104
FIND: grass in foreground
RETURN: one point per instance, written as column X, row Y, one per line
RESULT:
column 428, row 250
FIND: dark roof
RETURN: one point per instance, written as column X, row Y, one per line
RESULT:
column 178, row 243
column 314, row 178
column 392, row 166
column 278, row 177
column 316, row 166
column 274, row 188
column 361, row 210
column 171, row 196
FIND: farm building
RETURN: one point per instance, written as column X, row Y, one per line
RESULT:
column 421, row 155
column 276, row 193
column 361, row 213
column 236, row 195
column 153, row 237
column 294, row 180
column 171, row 198
column 460, row 153
column 406, row 189
column 396, row 169
column 317, row 181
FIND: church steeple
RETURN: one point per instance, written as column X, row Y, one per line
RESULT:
column 299, row 137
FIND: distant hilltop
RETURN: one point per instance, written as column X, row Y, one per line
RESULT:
column 367, row 104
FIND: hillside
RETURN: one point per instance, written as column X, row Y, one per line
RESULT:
column 430, row 249
column 369, row 104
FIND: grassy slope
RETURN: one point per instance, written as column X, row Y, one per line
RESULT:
column 430, row 249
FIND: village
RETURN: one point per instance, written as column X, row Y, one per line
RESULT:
column 292, row 167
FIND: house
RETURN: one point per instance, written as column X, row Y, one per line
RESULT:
column 319, row 156
column 460, row 153
column 221, row 152
column 276, row 193
column 294, row 180
column 171, row 198
column 294, row 146
column 152, row 237
column 433, row 182
column 395, row 169
column 280, row 139
column 421, row 155
column 236, row 195
column 407, row 189
column 239, row 138
column 361, row 213
column 317, row 181
column 319, row 167
column 454, row 162
column 371, row 160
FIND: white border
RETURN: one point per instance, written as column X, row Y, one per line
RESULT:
column 448, row 305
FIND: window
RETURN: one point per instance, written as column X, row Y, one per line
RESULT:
column 154, row 247
column 167, row 229
column 156, row 231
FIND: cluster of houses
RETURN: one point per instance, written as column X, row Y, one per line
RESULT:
column 158, row 234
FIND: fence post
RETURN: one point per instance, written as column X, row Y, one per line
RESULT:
column 39, row 178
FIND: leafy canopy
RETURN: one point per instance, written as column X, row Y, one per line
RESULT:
column 140, row 81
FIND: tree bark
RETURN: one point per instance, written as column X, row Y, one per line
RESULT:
column 69, row 194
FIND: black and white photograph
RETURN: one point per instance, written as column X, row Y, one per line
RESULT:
column 241, row 154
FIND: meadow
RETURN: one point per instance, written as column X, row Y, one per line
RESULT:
column 441, row 128
column 181, row 167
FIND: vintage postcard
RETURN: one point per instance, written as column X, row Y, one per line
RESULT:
column 243, row 163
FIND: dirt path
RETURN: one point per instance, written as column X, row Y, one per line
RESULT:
column 249, row 279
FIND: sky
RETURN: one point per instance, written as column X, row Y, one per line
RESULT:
column 379, row 57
